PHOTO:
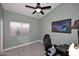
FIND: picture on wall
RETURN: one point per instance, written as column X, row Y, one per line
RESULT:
column 63, row 26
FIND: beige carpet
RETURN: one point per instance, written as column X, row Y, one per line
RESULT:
column 35, row 49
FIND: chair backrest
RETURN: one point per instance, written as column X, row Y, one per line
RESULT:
column 47, row 41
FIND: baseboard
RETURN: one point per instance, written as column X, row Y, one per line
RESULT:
column 41, row 41
column 20, row 45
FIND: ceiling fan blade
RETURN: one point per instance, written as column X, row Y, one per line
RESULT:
column 46, row 7
column 30, row 7
column 42, row 12
column 34, row 12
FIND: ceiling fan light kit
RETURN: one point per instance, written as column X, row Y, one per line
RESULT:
column 38, row 8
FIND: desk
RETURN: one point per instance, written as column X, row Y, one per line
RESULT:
column 62, row 49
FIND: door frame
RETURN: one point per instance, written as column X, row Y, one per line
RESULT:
column 1, row 23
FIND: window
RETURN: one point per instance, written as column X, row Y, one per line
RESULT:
column 17, row 28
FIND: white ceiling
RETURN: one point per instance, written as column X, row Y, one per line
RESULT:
column 21, row 9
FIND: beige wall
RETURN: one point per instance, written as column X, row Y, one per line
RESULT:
column 64, row 11
column 18, row 40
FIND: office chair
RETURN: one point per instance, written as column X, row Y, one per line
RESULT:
column 49, row 48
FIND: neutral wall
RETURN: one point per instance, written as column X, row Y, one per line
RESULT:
column 14, row 41
column 63, row 11
column 1, row 11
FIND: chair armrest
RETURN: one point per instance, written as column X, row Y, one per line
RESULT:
column 55, row 45
column 47, row 50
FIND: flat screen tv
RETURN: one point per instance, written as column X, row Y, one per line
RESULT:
column 63, row 26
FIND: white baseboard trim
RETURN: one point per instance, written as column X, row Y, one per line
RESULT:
column 41, row 41
column 20, row 45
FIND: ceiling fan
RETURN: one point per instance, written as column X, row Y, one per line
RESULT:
column 38, row 8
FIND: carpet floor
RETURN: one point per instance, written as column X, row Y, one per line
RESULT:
column 35, row 49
